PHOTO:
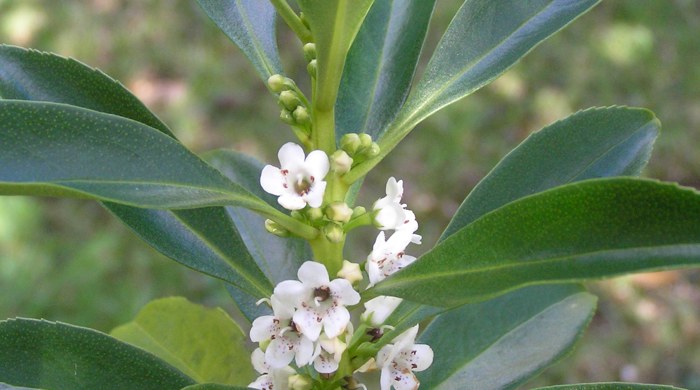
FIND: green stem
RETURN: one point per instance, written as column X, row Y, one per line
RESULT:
column 328, row 253
column 292, row 19
column 296, row 227
column 324, row 129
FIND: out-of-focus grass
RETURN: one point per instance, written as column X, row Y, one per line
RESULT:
column 69, row 260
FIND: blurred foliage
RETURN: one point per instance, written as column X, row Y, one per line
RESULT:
column 71, row 261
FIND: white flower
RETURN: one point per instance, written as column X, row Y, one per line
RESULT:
column 271, row 378
column 330, row 354
column 390, row 211
column 299, row 180
column 378, row 309
column 388, row 256
column 399, row 360
column 320, row 303
column 286, row 342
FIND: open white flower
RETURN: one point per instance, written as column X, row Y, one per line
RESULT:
column 399, row 360
column 388, row 256
column 286, row 342
column 319, row 302
column 390, row 211
column 329, row 355
column 271, row 378
column 299, row 179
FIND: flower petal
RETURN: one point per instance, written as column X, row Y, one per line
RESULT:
column 335, row 321
column 258, row 360
column 385, row 381
column 272, row 180
column 290, row 292
column 315, row 195
column 421, row 357
column 263, row 328
column 308, row 322
column 394, row 189
column 343, row 291
column 291, row 201
column 404, row 380
column 305, row 352
column 290, row 155
column 278, row 354
column 325, row 363
column 317, row 164
column 390, row 216
column 313, row 274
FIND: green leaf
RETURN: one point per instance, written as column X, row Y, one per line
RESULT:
column 43, row 354
column 58, row 150
column 38, row 76
column 380, row 65
column 592, row 229
column 250, row 24
column 206, row 344
column 484, row 39
column 5, row 386
column 598, row 142
column 498, row 344
column 609, row 386
column 333, row 25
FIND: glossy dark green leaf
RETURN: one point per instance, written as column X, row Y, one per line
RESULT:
column 250, row 24
column 38, row 76
column 334, row 25
column 52, row 355
column 598, row 142
column 204, row 343
column 279, row 258
column 500, row 343
column 609, row 386
column 587, row 230
column 484, row 39
column 380, row 65
column 58, row 150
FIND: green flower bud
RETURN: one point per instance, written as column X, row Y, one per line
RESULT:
column 299, row 382
column 277, row 83
column 365, row 141
column 357, row 211
column 333, row 232
column 341, row 162
column 373, row 150
column 350, row 272
column 350, row 143
column 339, row 212
column 289, row 100
column 286, row 117
column 314, row 214
column 301, row 115
column 310, row 51
column 275, row 228
column 311, row 68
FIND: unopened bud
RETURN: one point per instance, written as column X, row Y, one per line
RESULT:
column 339, row 212
column 301, row 115
column 350, row 143
column 275, row 228
column 314, row 214
column 341, row 162
column 365, row 141
column 310, row 51
column 357, row 211
column 373, row 150
column 286, row 117
column 334, row 233
column 296, row 214
column 277, row 84
column 311, row 68
column 350, row 272
column 289, row 100
column 299, row 382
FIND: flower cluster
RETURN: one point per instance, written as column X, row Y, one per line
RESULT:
column 310, row 323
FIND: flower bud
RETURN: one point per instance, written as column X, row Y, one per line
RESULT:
column 341, row 162
column 350, row 143
column 311, row 68
column 289, row 100
column 334, row 233
column 286, row 117
column 350, row 272
column 310, row 52
column 357, row 211
column 301, row 115
column 277, row 83
column 299, row 382
column 275, row 228
column 314, row 214
column 339, row 212
column 365, row 141
column 373, row 150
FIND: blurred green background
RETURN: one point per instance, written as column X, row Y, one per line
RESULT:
column 71, row 261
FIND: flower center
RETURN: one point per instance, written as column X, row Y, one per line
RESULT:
column 322, row 293
column 303, row 185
